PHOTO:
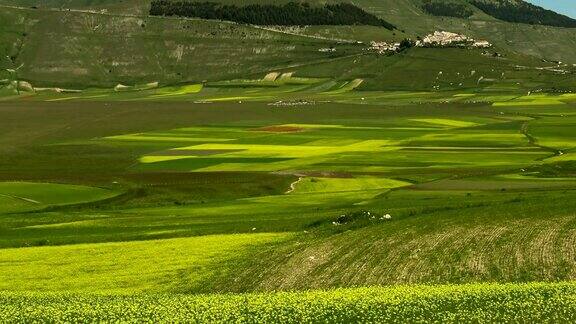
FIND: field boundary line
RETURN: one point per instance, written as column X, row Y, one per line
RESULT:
column 22, row 198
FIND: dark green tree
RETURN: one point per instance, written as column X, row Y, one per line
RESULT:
column 289, row 14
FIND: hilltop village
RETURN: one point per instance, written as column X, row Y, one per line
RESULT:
column 436, row 39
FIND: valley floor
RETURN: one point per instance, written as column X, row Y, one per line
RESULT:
column 449, row 207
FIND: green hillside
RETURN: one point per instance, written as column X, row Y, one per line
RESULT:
column 104, row 49
column 95, row 49
column 288, row 14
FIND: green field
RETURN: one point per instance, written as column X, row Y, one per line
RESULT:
column 125, row 267
column 161, row 169
column 25, row 196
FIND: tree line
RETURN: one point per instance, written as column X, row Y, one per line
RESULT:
column 289, row 14
column 523, row 12
column 448, row 9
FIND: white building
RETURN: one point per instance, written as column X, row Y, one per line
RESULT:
column 448, row 39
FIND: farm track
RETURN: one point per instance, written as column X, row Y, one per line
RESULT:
column 308, row 36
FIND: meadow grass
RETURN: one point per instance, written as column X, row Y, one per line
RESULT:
column 554, row 131
column 247, row 172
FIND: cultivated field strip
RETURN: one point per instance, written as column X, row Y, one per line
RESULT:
column 478, row 303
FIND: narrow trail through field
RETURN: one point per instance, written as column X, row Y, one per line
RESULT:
column 534, row 141
column 94, row 12
column 351, row 41
column 294, row 184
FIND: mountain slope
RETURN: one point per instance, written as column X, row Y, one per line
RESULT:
column 123, row 45
column 407, row 14
column 523, row 12
column 102, row 50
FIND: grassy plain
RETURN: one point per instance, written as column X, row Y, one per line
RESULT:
column 192, row 170
column 445, row 170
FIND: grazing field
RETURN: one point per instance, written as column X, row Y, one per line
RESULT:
column 177, row 172
column 442, row 180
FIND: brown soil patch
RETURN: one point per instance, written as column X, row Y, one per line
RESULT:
column 279, row 129
column 191, row 152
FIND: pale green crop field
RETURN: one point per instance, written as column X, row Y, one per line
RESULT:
column 326, row 185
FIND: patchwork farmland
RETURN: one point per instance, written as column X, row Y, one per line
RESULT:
column 288, row 197
column 198, row 170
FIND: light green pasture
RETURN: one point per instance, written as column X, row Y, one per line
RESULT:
column 124, row 267
column 319, row 185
